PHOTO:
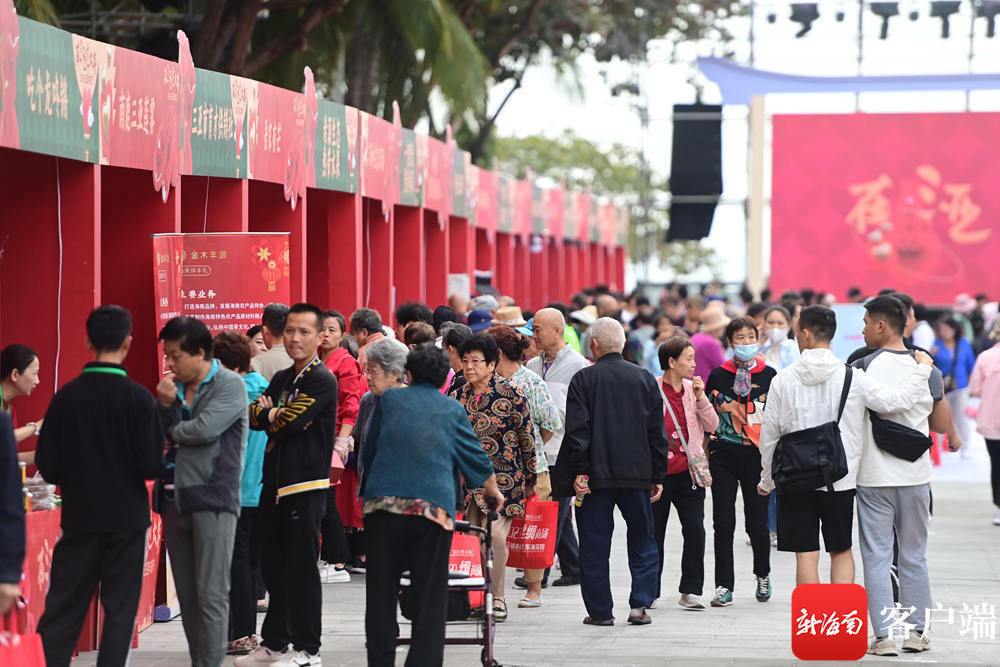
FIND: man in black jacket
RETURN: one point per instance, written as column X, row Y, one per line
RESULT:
column 615, row 453
column 299, row 413
column 102, row 440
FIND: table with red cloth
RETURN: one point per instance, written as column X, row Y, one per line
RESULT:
column 42, row 531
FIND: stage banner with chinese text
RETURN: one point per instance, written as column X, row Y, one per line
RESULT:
column 874, row 200
column 48, row 88
column 223, row 279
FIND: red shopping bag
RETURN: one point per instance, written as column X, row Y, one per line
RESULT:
column 18, row 649
column 465, row 559
column 531, row 542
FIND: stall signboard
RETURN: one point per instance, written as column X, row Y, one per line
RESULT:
column 571, row 215
column 410, row 173
column 48, row 88
column 523, row 207
column 539, row 219
column 506, row 202
column 336, row 165
column 555, row 210
column 437, row 197
column 277, row 140
column 459, row 184
column 487, row 200
column 584, row 216
column 214, row 136
column 225, row 280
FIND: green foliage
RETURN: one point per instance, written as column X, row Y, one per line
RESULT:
column 617, row 170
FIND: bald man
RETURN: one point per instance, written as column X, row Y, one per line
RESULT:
column 557, row 363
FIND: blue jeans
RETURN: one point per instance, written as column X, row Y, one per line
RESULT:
column 595, row 521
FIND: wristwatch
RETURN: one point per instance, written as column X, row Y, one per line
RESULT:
column 34, row 425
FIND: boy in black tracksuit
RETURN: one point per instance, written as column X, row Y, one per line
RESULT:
column 293, row 500
column 102, row 439
column 734, row 460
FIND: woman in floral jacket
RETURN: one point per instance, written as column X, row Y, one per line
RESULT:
column 500, row 417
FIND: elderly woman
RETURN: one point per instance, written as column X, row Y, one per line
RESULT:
column 545, row 420
column 416, row 443
column 501, row 419
column 385, row 367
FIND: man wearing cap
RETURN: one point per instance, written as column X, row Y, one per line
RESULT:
column 557, row 363
column 485, row 302
column 480, row 320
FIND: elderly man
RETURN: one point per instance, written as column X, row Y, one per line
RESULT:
column 615, row 454
column 557, row 364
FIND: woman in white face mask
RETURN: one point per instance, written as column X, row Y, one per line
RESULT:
column 779, row 349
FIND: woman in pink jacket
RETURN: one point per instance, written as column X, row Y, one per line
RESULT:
column 688, row 415
column 985, row 384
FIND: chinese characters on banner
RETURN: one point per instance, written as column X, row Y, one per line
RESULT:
column 901, row 200
column 224, row 280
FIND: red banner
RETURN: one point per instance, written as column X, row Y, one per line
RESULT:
column 223, row 279
column 487, row 200
column 901, row 200
column 437, row 195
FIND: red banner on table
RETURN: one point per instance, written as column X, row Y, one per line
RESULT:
column 42, row 531
column 223, row 279
column 154, row 544
column 901, row 200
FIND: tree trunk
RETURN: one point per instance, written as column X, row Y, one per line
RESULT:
column 210, row 23
column 363, row 54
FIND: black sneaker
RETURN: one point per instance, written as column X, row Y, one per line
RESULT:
column 357, row 567
column 566, row 581
column 521, row 583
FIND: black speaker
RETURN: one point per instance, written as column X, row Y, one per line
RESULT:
column 695, row 170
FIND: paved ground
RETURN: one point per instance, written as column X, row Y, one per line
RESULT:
column 964, row 557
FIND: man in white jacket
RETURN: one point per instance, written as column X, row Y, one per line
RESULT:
column 807, row 394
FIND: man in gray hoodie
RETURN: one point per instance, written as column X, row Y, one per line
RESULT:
column 203, row 408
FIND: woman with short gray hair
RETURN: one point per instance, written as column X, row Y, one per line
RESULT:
column 384, row 367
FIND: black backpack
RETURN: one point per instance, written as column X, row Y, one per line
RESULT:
column 813, row 457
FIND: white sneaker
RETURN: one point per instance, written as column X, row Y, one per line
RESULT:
column 691, row 601
column 996, row 518
column 331, row 574
column 300, row 659
column 262, row 655
column 883, row 646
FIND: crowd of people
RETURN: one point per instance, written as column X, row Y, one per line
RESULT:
column 316, row 446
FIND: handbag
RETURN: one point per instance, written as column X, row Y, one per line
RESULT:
column 531, row 541
column 901, row 441
column 697, row 464
column 17, row 647
column 812, row 457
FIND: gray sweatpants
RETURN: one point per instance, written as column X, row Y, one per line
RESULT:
column 905, row 510
column 200, row 545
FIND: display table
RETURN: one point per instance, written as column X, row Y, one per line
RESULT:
column 42, row 532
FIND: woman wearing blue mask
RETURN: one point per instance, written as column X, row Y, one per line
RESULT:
column 738, row 389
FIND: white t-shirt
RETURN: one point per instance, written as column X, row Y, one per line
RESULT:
column 879, row 468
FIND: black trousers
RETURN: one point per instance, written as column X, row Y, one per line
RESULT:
column 81, row 561
column 397, row 543
column 243, row 577
column 732, row 469
column 689, row 500
column 993, row 447
column 289, row 534
column 334, row 548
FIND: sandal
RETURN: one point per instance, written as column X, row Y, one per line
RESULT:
column 589, row 621
column 499, row 611
column 529, row 603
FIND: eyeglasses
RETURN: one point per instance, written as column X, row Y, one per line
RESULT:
column 372, row 372
column 473, row 362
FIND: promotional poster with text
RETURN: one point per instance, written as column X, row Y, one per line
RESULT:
column 886, row 200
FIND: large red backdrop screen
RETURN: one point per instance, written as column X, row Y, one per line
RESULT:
column 908, row 201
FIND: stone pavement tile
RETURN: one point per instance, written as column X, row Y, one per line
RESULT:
column 962, row 554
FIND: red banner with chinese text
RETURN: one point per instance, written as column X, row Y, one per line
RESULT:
column 901, row 200
column 223, row 279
